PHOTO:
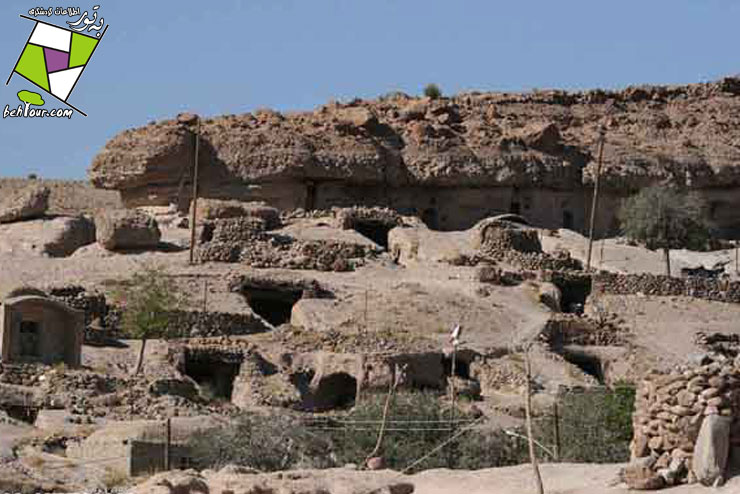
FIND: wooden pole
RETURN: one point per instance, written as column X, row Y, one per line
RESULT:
column 530, row 434
column 556, row 428
column 452, row 385
column 595, row 198
column 167, row 442
column 365, row 316
column 194, row 202
column 205, row 296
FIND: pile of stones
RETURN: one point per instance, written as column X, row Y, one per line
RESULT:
column 684, row 423
column 245, row 240
column 93, row 304
column 570, row 329
column 520, row 246
column 20, row 374
column 213, row 323
column 347, row 218
column 660, row 285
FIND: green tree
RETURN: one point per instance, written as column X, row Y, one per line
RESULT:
column 663, row 218
column 147, row 301
column 432, row 91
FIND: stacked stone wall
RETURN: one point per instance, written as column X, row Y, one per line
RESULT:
column 670, row 409
column 658, row 285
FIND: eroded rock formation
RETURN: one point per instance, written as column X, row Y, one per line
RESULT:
column 453, row 160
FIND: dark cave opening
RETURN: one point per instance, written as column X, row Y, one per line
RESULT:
column 574, row 293
column 374, row 230
column 214, row 375
column 430, row 217
column 273, row 305
column 462, row 367
column 589, row 364
column 335, row 391
column 22, row 413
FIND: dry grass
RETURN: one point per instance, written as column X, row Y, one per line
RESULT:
column 114, row 478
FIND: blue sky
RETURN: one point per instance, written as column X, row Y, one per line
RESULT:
column 160, row 58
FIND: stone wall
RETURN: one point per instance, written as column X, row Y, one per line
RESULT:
column 244, row 240
column 649, row 284
column 670, row 409
column 202, row 324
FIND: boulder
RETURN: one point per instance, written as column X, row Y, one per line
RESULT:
column 175, row 482
column 67, row 234
column 550, row 295
column 126, row 229
column 28, row 203
column 212, row 209
column 711, row 449
column 357, row 116
column 542, row 137
column 640, row 477
column 55, row 237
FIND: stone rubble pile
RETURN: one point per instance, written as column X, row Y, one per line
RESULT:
column 245, row 240
column 671, row 410
column 213, row 323
column 511, row 243
column 347, row 218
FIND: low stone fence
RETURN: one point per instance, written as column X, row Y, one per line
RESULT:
column 347, row 218
column 93, row 304
column 189, row 324
column 279, row 251
column 649, row 284
column 669, row 421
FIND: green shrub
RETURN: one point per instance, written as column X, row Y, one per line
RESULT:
column 662, row 218
column 265, row 442
column 595, row 425
column 432, row 91
column 419, row 422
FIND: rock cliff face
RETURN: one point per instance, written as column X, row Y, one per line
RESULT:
column 453, row 160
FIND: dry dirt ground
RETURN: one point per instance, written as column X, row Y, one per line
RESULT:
column 614, row 254
column 561, row 478
column 418, row 301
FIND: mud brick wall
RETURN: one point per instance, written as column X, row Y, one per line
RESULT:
column 669, row 409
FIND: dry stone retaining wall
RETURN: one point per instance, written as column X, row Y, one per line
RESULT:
column 649, row 284
column 245, row 240
column 670, row 408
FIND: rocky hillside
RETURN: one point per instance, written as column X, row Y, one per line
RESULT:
column 543, row 139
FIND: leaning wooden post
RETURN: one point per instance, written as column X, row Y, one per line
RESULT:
column 194, row 202
column 595, row 198
column 167, row 441
column 530, row 435
column 453, row 391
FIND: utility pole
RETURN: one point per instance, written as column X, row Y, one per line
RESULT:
column 595, row 199
column 194, row 202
